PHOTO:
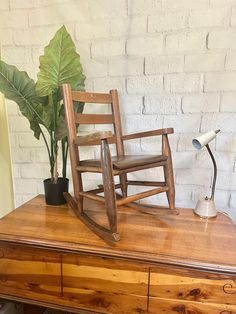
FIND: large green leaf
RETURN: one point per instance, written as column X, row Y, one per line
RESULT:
column 18, row 86
column 60, row 64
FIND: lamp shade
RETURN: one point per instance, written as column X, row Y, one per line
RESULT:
column 202, row 140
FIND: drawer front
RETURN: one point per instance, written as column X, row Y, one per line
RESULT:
column 29, row 273
column 159, row 306
column 178, row 285
column 104, row 285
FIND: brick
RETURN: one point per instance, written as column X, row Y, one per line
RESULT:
column 210, row 17
column 200, row 103
column 204, row 62
column 143, row 7
column 222, row 39
column 16, row 171
column 4, row 5
column 222, row 199
column 221, row 3
column 123, row 66
column 200, row 177
column 107, row 8
column 214, row 121
column 145, row 84
column 220, row 81
column 167, row 21
column 161, row 104
column 185, row 123
column 231, row 61
column 185, row 141
column 13, row 18
column 23, row 4
column 53, row 15
column 20, row 155
column 108, row 48
column 163, row 64
column 233, row 16
column 6, row 37
column 105, row 84
column 182, row 83
column 93, row 29
column 145, row 45
column 14, row 55
column 225, row 161
column 13, row 140
column 28, row 140
column 183, row 160
column 139, row 123
column 25, row 186
column 226, row 143
column 95, row 68
column 131, row 104
column 18, row 200
column 19, row 124
column 41, row 155
column 50, row 2
column 129, row 26
column 83, row 47
column 185, row 4
column 35, row 171
column 154, row 143
column 34, row 36
column 12, row 108
column 190, row 41
column 228, row 102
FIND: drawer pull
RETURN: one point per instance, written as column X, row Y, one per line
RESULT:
column 228, row 288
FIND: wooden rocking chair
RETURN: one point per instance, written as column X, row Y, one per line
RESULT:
column 111, row 166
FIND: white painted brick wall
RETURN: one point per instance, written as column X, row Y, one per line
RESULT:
column 173, row 62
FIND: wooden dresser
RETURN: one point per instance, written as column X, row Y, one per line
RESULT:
column 163, row 263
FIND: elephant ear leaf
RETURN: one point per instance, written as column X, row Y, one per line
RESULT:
column 18, row 86
column 60, row 64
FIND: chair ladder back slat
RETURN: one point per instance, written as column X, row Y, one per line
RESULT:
column 83, row 118
column 72, row 133
column 91, row 97
column 117, row 123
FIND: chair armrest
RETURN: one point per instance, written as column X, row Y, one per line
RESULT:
column 148, row 133
column 93, row 137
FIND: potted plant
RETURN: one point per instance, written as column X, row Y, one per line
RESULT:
column 41, row 103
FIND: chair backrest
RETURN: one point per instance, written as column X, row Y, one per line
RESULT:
column 74, row 118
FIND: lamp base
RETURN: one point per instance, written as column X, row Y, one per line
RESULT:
column 205, row 208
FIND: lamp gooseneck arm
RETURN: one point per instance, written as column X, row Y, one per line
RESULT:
column 215, row 172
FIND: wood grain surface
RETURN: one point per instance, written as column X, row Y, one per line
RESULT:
column 163, row 264
column 106, row 285
column 158, row 238
column 30, row 273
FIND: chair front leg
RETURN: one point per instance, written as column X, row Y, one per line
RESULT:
column 108, row 184
column 168, row 172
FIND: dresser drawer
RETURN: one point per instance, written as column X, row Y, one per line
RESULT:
column 104, row 285
column 159, row 306
column 191, row 289
column 29, row 273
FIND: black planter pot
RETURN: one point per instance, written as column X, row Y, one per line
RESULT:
column 54, row 191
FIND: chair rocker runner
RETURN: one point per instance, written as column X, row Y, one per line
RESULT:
column 109, row 166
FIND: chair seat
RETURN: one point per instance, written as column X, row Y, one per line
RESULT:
column 128, row 161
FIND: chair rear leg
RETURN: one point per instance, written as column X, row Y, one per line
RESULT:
column 109, row 187
column 168, row 172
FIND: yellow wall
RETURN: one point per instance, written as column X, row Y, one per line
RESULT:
column 6, row 188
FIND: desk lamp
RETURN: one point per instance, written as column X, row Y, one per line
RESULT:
column 206, row 207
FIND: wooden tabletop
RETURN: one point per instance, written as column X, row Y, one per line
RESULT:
column 179, row 240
